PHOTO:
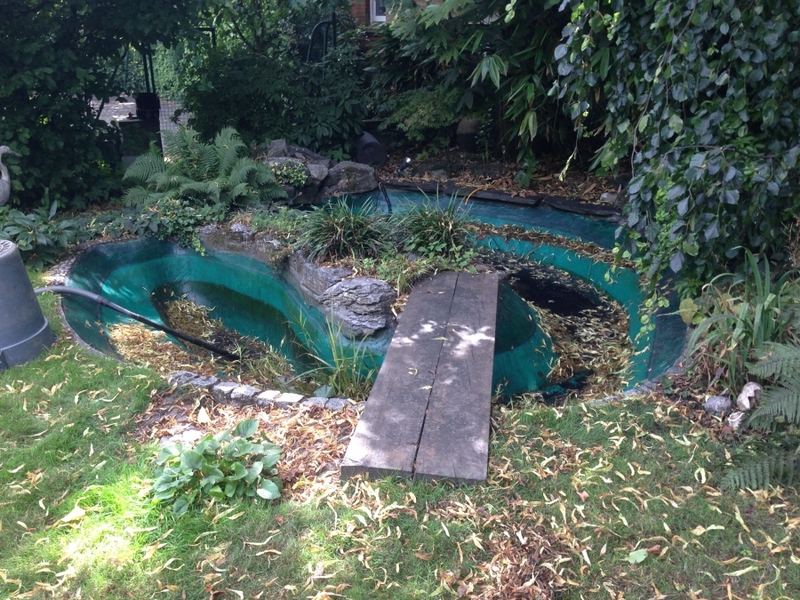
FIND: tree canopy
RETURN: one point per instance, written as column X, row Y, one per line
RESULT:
column 57, row 55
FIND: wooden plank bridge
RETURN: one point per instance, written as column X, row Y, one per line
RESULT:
column 429, row 410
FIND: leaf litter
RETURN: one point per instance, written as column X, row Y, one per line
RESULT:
column 523, row 535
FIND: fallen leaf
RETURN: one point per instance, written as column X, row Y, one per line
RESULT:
column 637, row 556
column 75, row 514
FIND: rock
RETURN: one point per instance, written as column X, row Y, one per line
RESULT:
column 242, row 240
column 369, row 151
column 267, row 398
column 736, row 419
column 362, row 305
column 317, row 172
column 309, row 156
column 750, row 394
column 312, row 279
column 277, row 148
column 244, row 395
column 337, row 403
column 182, row 378
column 287, row 400
column 315, row 401
column 350, row 178
column 222, row 391
column 467, row 134
column 205, row 382
column 717, row 405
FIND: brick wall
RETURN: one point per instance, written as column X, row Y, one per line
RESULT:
column 360, row 10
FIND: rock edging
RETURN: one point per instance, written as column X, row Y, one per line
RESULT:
column 237, row 394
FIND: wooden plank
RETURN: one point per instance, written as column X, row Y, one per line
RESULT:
column 455, row 435
column 386, row 438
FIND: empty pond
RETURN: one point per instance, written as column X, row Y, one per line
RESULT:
column 253, row 299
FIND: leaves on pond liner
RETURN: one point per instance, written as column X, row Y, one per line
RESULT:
column 590, row 338
column 137, row 343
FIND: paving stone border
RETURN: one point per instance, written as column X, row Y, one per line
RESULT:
column 237, row 394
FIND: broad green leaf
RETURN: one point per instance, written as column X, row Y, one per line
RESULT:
column 191, row 460
column 268, row 490
column 246, row 428
column 675, row 123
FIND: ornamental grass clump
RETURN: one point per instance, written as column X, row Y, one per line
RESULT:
column 344, row 231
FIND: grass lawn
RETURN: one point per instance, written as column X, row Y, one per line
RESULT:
column 616, row 500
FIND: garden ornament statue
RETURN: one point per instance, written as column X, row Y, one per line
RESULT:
column 5, row 181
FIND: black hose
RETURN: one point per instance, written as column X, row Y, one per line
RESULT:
column 385, row 195
column 62, row 289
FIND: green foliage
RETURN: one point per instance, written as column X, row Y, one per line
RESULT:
column 342, row 231
column 57, row 55
column 348, row 374
column 290, row 173
column 477, row 55
column 226, row 466
column 700, row 100
column 742, row 317
column 285, row 223
column 425, row 115
column 780, row 409
column 195, row 183
column 434, row 231
column 41, row 237
column 400, row 271
column 256, row 79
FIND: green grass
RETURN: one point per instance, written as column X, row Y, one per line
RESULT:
column 572, row 493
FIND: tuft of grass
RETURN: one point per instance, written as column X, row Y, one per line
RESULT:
column 433, row 231
column 342, row 231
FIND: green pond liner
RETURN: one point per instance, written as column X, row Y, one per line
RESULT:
column 246, row 295
column 255, row 300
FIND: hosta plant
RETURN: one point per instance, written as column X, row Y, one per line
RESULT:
column 227, row 466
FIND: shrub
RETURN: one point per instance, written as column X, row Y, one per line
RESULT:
column 699, row 100
column 342, row 231
column 425, row 115
column 226, row 466
column 195, row 183
column 40, row 237
column 742, row 317
column 434, row 231
column 290, row 173
column 779, row 410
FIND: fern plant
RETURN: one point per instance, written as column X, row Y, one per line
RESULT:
column 779, row 410
column 194, row 183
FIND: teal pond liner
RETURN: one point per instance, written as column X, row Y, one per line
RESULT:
column 246, row 295
column 253, row 299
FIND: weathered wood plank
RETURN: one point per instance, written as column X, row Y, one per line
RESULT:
column 455, row 435
column 387, row 436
